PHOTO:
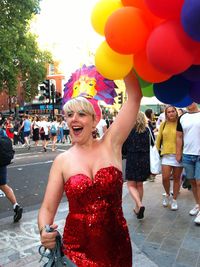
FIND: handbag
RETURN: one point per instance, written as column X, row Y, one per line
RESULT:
column 55, row 256
column 155, row 161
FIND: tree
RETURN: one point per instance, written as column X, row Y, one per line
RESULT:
column 20, row 57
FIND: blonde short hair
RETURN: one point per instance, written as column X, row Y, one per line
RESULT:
column 77, row 104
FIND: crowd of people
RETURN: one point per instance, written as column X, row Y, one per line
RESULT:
column 22, row 130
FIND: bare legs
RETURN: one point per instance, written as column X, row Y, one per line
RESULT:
column 9, row 193
column 166, row 173
column 196, row 190
column 136, row 190
column 54, row 139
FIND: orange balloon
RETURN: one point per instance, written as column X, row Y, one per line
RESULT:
column 146, row 70
column 127, row 31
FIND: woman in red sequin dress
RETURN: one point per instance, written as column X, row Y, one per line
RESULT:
column 95, row 232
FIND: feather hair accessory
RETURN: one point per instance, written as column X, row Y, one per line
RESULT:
column 89, row 83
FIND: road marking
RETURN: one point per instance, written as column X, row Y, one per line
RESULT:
column 2, row 194
column 30, row 164
column 25, row 157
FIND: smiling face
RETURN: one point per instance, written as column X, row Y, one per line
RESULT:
column 81, row 119
column 171, row 113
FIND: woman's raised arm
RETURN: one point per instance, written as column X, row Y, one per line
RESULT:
column 126, row 117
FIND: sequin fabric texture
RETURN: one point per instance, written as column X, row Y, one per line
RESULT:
column 96, row 233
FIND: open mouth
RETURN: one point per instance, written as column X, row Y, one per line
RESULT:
column 77, row 130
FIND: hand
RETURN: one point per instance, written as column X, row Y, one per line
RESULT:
column 178, row 157
column 48, row 239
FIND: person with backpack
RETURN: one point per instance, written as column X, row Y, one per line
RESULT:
column 44, row 132
column 53, row 133
column 6, row 155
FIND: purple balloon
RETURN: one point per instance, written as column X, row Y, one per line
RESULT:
column 192, row 74
column 185, row 102
column 190, row 18
column 173, row 90
column 194, row 92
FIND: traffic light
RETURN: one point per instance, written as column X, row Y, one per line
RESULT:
column 53, row 89
column 58, row 98
column 120, row 98
column 45, row 87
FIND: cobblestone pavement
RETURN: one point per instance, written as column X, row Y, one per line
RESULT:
column 164, row 238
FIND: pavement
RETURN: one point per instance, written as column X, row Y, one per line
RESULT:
column 163, row 238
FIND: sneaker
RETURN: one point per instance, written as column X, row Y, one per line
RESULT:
column 197, row 219
column 174, row 205
column 194, row 211
column 18, row 213
column 151, row 178
column 166, row 200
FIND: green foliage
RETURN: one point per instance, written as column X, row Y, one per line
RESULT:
column 20, row 56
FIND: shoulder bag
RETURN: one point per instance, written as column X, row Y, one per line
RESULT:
column 155, row 161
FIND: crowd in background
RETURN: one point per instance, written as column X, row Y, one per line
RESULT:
column 149, row 130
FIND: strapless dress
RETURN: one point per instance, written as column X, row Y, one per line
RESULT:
column 95, row 232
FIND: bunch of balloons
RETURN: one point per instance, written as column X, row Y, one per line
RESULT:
column 159, row 39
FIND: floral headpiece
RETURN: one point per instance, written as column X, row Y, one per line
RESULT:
column 89, row 83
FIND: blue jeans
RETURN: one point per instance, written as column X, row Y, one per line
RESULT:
column 191, row 163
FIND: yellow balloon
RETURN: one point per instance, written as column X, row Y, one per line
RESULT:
column 112, row 65
column 101, row 11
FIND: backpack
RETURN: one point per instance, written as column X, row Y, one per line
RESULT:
column 6, row 150
column 42, row 130
column 53, row 129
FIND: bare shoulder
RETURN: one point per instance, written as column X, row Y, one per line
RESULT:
column 62, row 159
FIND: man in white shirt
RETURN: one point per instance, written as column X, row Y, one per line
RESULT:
column 44, row 132
column 161, row 117
column 188, row 149
column 101, row 127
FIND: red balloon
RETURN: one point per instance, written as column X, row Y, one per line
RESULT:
column 126, row 30
column 197, row 56
column 146, row 70
column 167, row 9
column 136, row 3
column 152, row 19
column 170, row 49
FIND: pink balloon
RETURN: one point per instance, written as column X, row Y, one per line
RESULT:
column 167, row 9
column 170, row 49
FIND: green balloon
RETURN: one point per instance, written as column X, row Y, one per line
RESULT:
column 148, row 91
column 142, row 82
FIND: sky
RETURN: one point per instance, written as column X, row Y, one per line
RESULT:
column 64, row 28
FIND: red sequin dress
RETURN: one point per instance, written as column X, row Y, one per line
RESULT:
column 96, row 233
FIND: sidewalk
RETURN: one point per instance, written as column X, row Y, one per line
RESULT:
column 164, row 238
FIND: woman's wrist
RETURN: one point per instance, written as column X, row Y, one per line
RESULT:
column 41, row 229
column 47, row 229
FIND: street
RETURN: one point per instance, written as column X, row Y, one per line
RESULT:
column 28, row 175
column 164, row 238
